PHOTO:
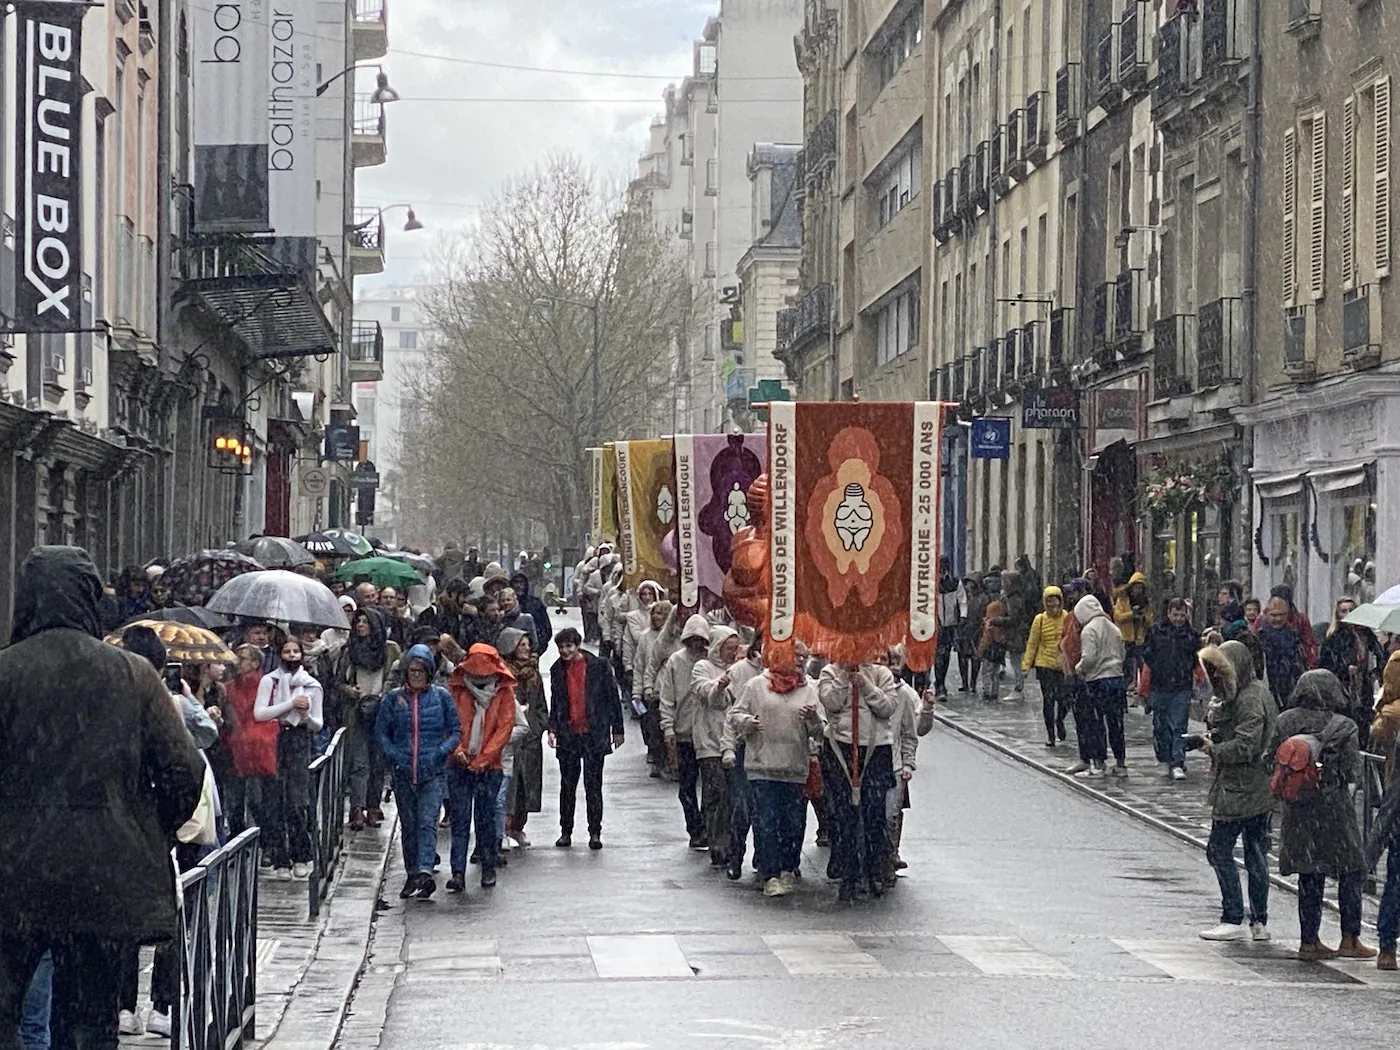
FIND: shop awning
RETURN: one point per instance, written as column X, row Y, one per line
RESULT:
column 1279, row 486
column 1339, row 479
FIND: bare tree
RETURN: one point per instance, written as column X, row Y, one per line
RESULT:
column 507, row 401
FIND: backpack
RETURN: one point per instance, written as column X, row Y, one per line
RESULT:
column 1296, row 767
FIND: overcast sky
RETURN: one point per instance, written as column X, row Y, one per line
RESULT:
column 447, row 156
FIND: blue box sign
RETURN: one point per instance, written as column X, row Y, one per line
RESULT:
column 991, row 438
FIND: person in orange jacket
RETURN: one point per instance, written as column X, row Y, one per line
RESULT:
column 483, row 688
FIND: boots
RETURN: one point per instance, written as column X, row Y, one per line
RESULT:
column 893, row 863
column 1385, row 961
column 1352, row 948
column 1315, row 951
column 357, row 818
column 374, row 818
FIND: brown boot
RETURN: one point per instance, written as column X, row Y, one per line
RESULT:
column 1315, row 951
column 357, row 818
column 374, row 818
column 1352, row 948
column 1385, row 961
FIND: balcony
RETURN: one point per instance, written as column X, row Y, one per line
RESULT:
column 1067, row 102
column 366, row 358
column 1032, row 353
column 1037, row 130
column 1059, row 338
column 1219, row 342
column 370, row 30
column 997, row 179
column 1133, row 51
column 1299, row 333
column 1010, row 358
column 1171, row 356
column 1171, row 72
column 1107, row 92
column 958, row 380
column 974, row 374
column 1100, row 330
column 993, row 375
column 367, row 141
column 1200, row 53
column 1304, row 18
column 981, row 175
column 820, row 147
column 1361, row 328
column 1013, row 161
column 805, row 321
column 942, row 213
column 263, row 290
column 956, row 192
column 1224, row 36
column 1129, row 312
column 967, row 199
column 366, row 242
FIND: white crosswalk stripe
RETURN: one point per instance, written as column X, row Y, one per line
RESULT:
column 1005, row 956
column 638, row 956
column 1188, row 961
column 823, row 954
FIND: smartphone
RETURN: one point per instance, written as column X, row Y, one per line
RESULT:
column 174, row 678
column 1194, row 741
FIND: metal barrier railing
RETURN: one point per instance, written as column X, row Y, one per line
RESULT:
column 216, row 1000
column 328, row 800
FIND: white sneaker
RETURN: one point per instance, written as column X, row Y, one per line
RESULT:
column 1095, row 770
column 507, row 844
column 775, row 888
column 129, row 1024
column 158, row 1023
column 788, row 880
column 1226, row 931
column 1178, row 773
column 1079, row 767
column 521, row 840
column 1259, row 932
column 282, row 874
column 301, row 872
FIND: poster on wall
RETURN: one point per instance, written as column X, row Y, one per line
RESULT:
column 291, row 118
column 48, row 167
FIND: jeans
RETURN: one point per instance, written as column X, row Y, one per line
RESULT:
column 859, row 832
column 1109, row 706
column 779, row 826
column 687, row 777
column 1388, row 921
column 419, row 807
column 741, row 810
column 1018, row 677
column 288, row 803
column 83, row 1002
column 572, row 762
column 367, row 766
column 501, row 796
column 473, row 795
column 1310, row 887
column 1054, row 701
column 1170, row 712
column 1220, row 852
column 942, row 657
column 38, row 1001
column 714, row 798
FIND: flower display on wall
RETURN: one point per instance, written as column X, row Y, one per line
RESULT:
column 1171, row 487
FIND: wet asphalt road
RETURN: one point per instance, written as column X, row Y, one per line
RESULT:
column 1030, row 917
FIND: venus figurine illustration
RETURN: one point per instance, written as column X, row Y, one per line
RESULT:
column 736, row 509
column 665, row 505
column 854, row 518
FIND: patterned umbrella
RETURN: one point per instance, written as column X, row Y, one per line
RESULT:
column 184, row 643
column 194, row 579
column 277, row 552
column 324, row 546
column 276, row 594
column 359, row 546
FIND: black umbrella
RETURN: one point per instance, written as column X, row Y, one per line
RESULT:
column 325, row 545
column 195, row 579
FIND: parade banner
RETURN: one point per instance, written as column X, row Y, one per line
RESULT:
column 646, row 499
column 602, row 491
column 713, row 474
column 853, row 490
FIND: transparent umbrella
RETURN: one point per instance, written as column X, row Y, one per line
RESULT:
column 276, row 594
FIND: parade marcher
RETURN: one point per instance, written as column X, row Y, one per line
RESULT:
column 1020, row 610
column 952, row 611
column 644, row 697
column 1100, row 669
column 112, row 728
column 251, row 745
column 678, row 712
column 362, row 671
column 774, row 718
column 1284, row 659
column 710, row 680
column 1170, row 655
column 535, row 609
column 740, row 793
column 607, row 599
column 290, row 697
column 1319, row 836
column 969, row 634
column 635, row 624
column 483, row 688
column 857, row 771
column 1042, row 656
column 527, row 780
column 417, row 727
column 1242, row 717
column 904, row 747
column 589, row 580
column 585, row 726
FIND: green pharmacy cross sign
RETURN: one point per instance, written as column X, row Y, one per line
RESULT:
column 767, row 390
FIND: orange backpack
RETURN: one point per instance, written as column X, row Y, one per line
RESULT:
column 1296, row 767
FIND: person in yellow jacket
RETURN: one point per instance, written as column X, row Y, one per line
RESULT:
column 1132, row 612
column 1043, row 656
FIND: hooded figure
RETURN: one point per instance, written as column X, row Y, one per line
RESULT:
column 678, row 715
column 527, row 778
column 710, row 681
column 1132, row 610
column 635, row 624
column 535, row 609
column 1242, row 716
column 1100, row 643
column 98, row 774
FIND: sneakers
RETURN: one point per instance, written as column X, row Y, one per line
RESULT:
column 1178, row 773
column 282, row 874
column 158, row 1023
column 789, row 880
column 775, row 888
column 1226, row 931
column 410, row 887
column 129, row 1024
column 1079, row 767
column 1258, row 932
column 427, row 886
column 1095, row 770
column 301, row 872
column 697, row 842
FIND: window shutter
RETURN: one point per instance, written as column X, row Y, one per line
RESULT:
column 1348, row 238
column 1317, row 223
column 1290, row 215
column 1381, row 220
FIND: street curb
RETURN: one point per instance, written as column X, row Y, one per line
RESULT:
column 1276, row 880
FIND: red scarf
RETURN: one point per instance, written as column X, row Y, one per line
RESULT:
column 785, row 680
column 577, row 675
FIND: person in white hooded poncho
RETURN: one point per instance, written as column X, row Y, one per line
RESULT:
column 644, row 668
column 710, row 682
column 678, row 715
column 636, row 621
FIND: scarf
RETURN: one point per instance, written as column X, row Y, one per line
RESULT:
column 483, row 690
column 785, row 680
column 576, row 675
column 370, row 652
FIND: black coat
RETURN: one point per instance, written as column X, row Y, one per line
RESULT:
column 603, row 701
column 1319, row 833
column 1170, row 653
column 97, row 771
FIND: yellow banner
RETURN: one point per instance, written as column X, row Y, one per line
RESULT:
column 647, row 490
column 602, row 525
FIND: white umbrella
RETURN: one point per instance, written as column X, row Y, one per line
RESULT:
column 276, row 594
column 1383, row 617
column 1390, row 597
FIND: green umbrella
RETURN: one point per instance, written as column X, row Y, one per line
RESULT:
column 383, row 572
column 1376, row 616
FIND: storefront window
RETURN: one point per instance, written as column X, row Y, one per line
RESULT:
column 1286, row 550
column 1353, row 553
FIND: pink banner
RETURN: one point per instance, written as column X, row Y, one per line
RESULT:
column 724, row 467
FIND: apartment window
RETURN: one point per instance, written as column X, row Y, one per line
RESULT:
column 1365, row 213
column 366, row 412
column 395, row 312
column 99, row 232
column 408, row 339
column 897, row 326
column 1042, row 237
column 712, row 177
column 118, row 121
column 706, row 59
column 900, row 43
column 900, row 183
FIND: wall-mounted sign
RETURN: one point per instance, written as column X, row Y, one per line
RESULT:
column 991, row 438
column 1054, row 409
column 342, row 443
column 315, row 482
column 368, row 479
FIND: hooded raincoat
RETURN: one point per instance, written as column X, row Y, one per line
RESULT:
column 1100, row 643
column 711, row 695
column 1244, row 719
column 487, row 717
column 678, row 707
column 417, row 730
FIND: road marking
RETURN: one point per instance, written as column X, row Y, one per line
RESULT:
column 267, row 948
column 644, row 955
column 1190, row 961
column 822, row 954
column 1005, row 956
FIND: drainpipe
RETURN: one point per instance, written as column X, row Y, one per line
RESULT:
column 1077, row 444
column 833, row 392
column 1249, row 291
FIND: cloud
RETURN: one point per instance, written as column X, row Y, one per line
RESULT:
column 445, row 157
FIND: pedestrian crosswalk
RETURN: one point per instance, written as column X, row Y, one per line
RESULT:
column 682, row 957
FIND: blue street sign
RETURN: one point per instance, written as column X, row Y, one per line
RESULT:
column 991, row 438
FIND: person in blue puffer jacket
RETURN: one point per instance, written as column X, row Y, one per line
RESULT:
column 418, row 728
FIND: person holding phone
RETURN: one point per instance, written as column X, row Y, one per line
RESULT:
column 289, row 696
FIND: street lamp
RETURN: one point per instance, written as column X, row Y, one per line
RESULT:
column 378, row 216
column 382, row 91
column 550, row 300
